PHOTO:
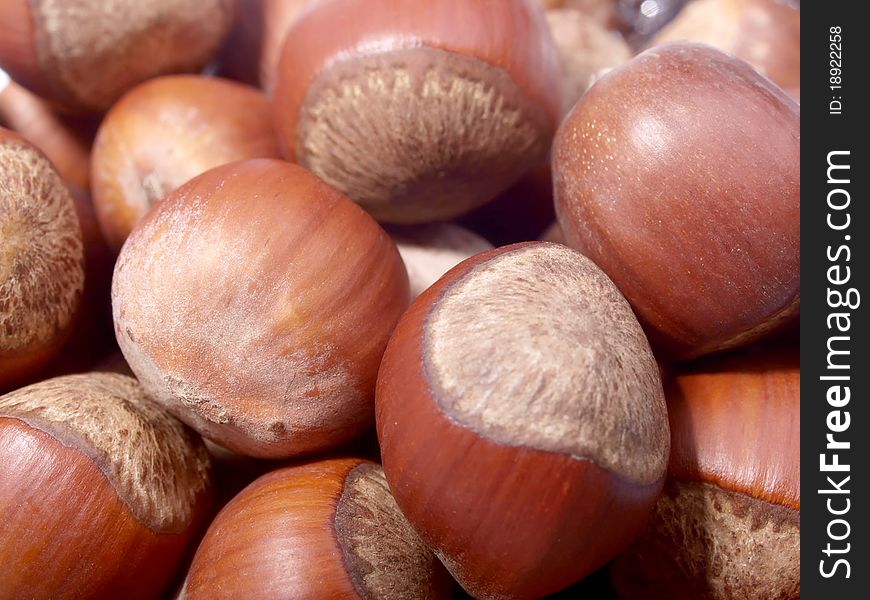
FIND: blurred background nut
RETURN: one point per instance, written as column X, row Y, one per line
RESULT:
column 30, row 116
column 83, row 55
column 640, row 20
column 764, row 33
column 166, row 131
column 636, row 20
column 586, row 49
column 429, row 251
column 602, row 12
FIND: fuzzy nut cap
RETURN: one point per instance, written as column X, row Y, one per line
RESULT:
column 41, row 259
column 728, row 524
column 512, row 389
column 85, row 54
column 101, row 490
column 324, row 529
column 419, row 111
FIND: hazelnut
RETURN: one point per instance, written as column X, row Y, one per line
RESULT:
column 728, row 524
column 419, row 111
column 255, row 304
column 166, row 131
column 522, row 420
column 102, row 492
column 83, row 55
column 328, row 529
column 41, row 261
column 679, row 175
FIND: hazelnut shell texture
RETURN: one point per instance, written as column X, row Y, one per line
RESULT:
column 84, row 55
column 102, row 491
column 728, row 524
column 522, row 421
column 328, row 529
column 679, row 175
column 255, row 303
column 419, row 111
column 41, row 260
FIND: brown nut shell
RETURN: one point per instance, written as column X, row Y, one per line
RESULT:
column 92, row 334
column 29, row 115
column 419, row 111
column 166, row 131
column 328, row 529
column 679, row 175
column 521, row 420
column 764, row 33
column 728, row 525
column 735, row 423
column 41, row 261
column 83, row 55
column 255, row 303
column 101, row 493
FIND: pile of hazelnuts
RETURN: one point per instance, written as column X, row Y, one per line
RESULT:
column 298, row 326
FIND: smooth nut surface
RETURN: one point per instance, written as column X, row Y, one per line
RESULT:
column 166, row 131
column 679, row 175
column 521, row 416
column 101, row 493
column 324, row 529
